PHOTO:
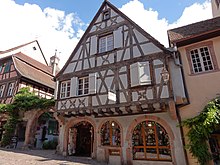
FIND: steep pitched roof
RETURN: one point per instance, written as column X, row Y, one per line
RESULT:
column 106, row 2
column 23, row 45
column 33, row 62
column 194, row 30
column 33, row 70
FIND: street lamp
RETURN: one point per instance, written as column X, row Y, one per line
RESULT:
column 165, row 75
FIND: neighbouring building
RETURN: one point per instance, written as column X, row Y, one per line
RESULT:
column 117, row 93
column 198, row 48
column 23, row 66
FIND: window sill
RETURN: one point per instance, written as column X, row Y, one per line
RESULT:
column 106, row 52
column 204, row 72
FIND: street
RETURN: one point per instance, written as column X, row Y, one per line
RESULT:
column 40, row 157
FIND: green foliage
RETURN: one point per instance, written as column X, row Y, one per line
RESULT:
column 50, row 145
column 200, row 129
column 24, row 100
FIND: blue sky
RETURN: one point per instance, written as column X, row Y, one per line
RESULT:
column 59, row 24
column 86, row 9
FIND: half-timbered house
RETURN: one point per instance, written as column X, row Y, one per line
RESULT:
column 116, row 95
column 23, row 66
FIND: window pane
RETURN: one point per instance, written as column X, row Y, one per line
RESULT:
column 151, row 153
column 137, row 138
column 164, row 154
column 110, row 134
column 105, row 134
column 116, row 140
column 138, row 153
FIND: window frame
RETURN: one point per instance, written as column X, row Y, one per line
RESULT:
column 65, row 89
column 151, row 146
column 10, row 89
column 106, row 15
column 104, row 46
column 2, row 88
column 209, row 45
column 117, row 136
column 7, row 67
column 84, row 89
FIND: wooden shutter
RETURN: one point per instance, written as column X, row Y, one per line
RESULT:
column 118, row 42
column 56, row 90
column 93, row 45
column 73, row 86
column 134, row 72
column 144, row 73
column 140, row 73
column 92, row 83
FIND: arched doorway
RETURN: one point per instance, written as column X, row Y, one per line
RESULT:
column 81, row 139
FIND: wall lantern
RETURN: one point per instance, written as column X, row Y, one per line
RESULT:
column 165, row 75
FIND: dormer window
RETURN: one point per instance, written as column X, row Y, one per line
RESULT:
column 106, row 15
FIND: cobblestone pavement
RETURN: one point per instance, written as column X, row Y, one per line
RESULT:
column 40, row 157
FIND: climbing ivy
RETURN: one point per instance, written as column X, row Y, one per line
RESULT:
column 24, row 100
column 200, row 129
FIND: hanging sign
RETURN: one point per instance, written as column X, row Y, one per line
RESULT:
column 111, row 96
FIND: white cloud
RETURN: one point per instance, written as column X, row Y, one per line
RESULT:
column 52, row 28
column 149, row 21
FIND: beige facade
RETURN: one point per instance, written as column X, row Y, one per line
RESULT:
column 198, row 48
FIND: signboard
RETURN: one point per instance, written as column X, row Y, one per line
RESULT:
column 111, row 96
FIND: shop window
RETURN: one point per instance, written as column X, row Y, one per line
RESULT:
column 110, row 134
column 150, row 142
column 65, row 89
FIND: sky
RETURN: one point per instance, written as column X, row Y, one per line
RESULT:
column 59, row 24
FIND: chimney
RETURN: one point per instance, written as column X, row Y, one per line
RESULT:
column 54, row 60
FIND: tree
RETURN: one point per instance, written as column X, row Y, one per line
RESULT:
column 24, row 100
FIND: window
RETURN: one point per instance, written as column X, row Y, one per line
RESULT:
column 201, row 60
column 52, row 127
column 110, row 134
column 83, row 85
column 65, row 89
column 7, row 67
column 1, row 67
column 2, row 87
column 106, row 43
column 150, row 142
column 106, row 15
column 10, row 89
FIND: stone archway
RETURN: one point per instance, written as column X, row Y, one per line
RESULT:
column 32, row 118
column 150, row 118
column 74, row 122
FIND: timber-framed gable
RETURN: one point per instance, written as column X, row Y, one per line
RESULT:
column 119, row 81
column 111, row 53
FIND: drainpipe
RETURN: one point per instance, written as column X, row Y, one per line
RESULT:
column 176, row 55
